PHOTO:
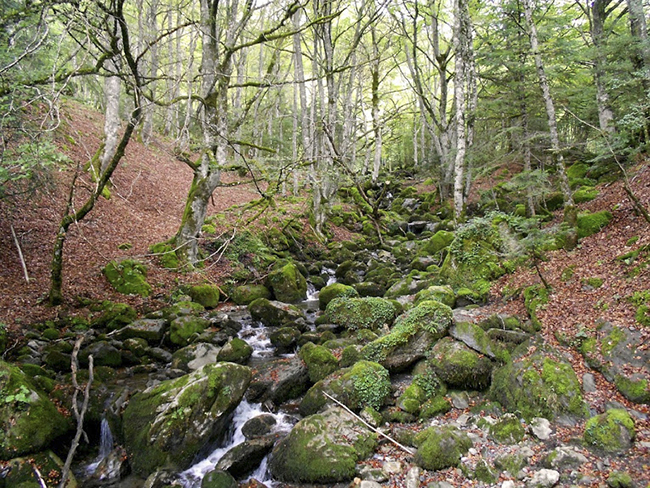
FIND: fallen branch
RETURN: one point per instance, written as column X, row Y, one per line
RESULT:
column 79, row 415
column 401, row 446
column 20, row 254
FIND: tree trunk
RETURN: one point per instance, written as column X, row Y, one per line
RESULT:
column 112, row 89
column 598, row 11
column 460, row 45
column 570, row 214
column 376, row 123
column 55, row 295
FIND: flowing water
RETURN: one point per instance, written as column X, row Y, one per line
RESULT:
column 105, row 446
column 191, row 478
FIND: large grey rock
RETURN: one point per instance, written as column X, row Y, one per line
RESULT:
column 151, row 330
column 565, row 457
column 244, row 458
column 195, row 356
column 322, row 448
column 474, row 337
column 274, row 313
column 544, row 478
column 168, row 424
column 278, row 380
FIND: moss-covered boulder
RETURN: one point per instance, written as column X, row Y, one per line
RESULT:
column 443, row 294
column 539, row 384
column 438, row 242
column 218, row 478
column 365, row 384
column 167, row 425
column 206, row 294
column 475, row 338
column 181, row 309
column 413, row 334
column 612, row 431
column 166, row 255
column 476, row 253
column 20, row 472
column 245, row 294
column 361, row 313
column 29, row 421
column 411, row 284
column 619, row 354
column 320, row 361
column 335, row 290
column 440, row 447
column 113, row 315
column 285, row 339
column 287, row 284
column 507, row 429
column 151, row 330
column 128, row 277
column 184, row 329
column 236, row 350
column 590, row 223
column 459, row 366
column 104, row 354
column 273, row 313
column 323, row 448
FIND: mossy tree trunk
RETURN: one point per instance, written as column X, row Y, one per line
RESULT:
column 55, row 295
column 196, row 207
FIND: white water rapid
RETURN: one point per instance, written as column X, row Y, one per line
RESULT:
column 191, row 478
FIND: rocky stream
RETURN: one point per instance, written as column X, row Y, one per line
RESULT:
column 310, row 381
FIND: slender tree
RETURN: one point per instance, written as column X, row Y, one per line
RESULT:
column 570, row 212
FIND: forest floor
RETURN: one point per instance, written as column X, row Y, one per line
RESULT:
column 148, row 194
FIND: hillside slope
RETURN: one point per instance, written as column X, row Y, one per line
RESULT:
column 147, row 198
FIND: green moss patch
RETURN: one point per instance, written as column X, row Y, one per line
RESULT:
column 361, row 313
column 612, row 431
column 590, row 223
column 128, row 277
column 441, row 447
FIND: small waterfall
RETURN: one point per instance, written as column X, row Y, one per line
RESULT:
column 105, row 446
column 312, row 292
column 191, row 478
column 258, row 338
column 332, row 275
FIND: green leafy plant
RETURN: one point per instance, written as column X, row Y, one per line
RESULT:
column 20, row 396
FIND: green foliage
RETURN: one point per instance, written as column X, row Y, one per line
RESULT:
column 28, row 166
column 641, row 299
column 534, row 297
column 19, row 396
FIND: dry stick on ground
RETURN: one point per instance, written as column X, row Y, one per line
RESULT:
column 79, row 415
column 401, row 446
column 20, row 254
